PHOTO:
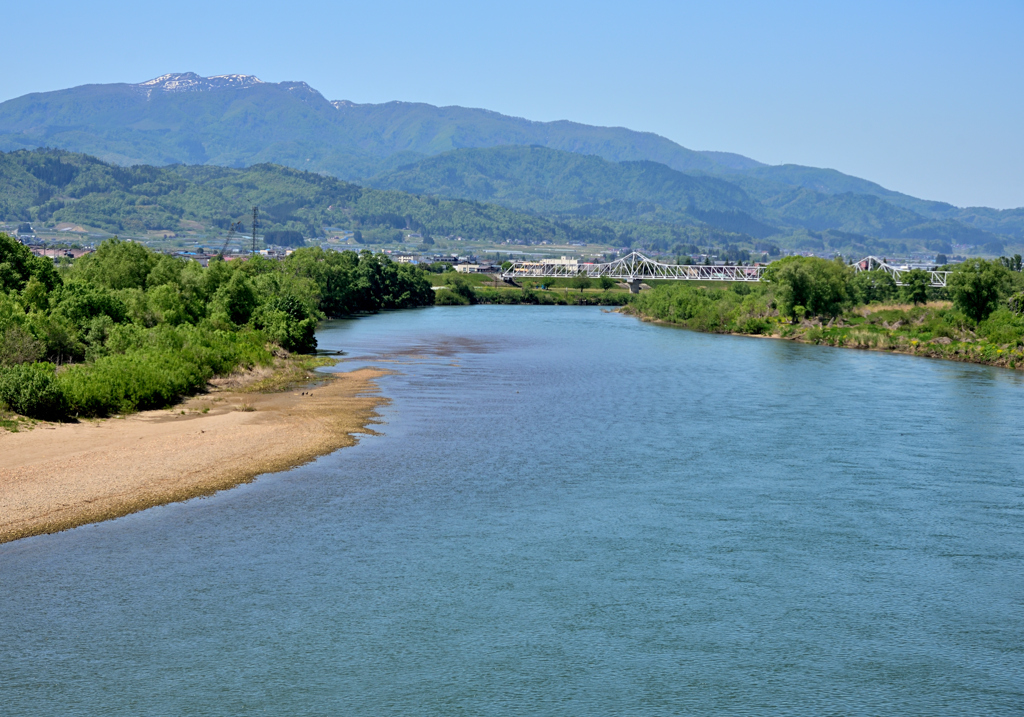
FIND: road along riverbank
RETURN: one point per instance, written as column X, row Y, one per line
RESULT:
column 59, row 476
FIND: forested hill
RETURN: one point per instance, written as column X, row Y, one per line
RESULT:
column 525, row 195
column 549, row 181
column 54, row 186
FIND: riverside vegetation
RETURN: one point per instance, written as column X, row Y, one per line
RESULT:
column 126, row 329
column 978, row 317
column 466, row 289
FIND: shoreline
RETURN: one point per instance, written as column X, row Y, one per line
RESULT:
column 58, row 476
column 921, row 350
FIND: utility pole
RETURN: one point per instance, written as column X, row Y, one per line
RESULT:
column 255, row 223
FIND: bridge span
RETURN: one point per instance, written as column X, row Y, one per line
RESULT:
column 635, row 268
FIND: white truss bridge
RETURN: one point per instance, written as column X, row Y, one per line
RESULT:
column 870, row 263
column 635, row 268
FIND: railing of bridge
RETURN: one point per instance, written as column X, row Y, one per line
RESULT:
column 637, row 267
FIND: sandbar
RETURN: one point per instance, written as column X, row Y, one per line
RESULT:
column 59, row 476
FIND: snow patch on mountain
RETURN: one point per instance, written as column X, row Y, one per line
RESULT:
column 191, row 82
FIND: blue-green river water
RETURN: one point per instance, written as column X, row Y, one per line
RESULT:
column 568, row 512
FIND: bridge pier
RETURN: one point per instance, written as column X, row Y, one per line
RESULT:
column 634, row 286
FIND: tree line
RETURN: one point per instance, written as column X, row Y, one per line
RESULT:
column 986, row 297
column 125, row 328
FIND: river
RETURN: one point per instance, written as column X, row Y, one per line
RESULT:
column 568, row 511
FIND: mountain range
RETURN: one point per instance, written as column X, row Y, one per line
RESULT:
column 555, row 169
column 68, row 188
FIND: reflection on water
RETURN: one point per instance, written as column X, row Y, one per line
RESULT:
column 568, row 512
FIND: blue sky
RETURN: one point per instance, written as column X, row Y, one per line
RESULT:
column 924, row 98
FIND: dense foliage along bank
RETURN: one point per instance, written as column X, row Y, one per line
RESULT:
column 127, row 329
column 466, row 289
column 978, row 317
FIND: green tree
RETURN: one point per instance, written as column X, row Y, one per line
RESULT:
column 915, row 286
column 35, row 295
column 18, row 265
column 606, row 282
column 237, row 299
column 169, row 306
column 166, row 270
column 976, row 286
column 117, row 264
column 580, row 282
column 80, row 302
column 819, row 285
column 1013, row 263
column 868, row 286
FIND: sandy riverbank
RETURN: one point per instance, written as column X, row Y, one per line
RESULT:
column 58, row 476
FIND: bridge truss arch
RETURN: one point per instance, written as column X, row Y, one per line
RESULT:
column 873, row 263
column 635, row 267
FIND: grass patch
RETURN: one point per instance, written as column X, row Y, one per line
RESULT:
column 9, row 422
column 288, row 372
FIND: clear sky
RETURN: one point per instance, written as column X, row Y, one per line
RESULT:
column 922, row 97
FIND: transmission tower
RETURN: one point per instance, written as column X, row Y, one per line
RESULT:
column 255, row 223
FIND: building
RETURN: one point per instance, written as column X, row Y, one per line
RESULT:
column 477, row 268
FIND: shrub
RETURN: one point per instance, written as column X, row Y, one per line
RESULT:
column 754, row 325
column 447, row 297
column 171, row 363
column 130, row 382
column 124, row 337
column 32, row 390
column 461, row 286
column 1016, row 303
column 1002, row 327
column 18, row 346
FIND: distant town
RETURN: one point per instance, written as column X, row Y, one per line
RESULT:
column 483, row 259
